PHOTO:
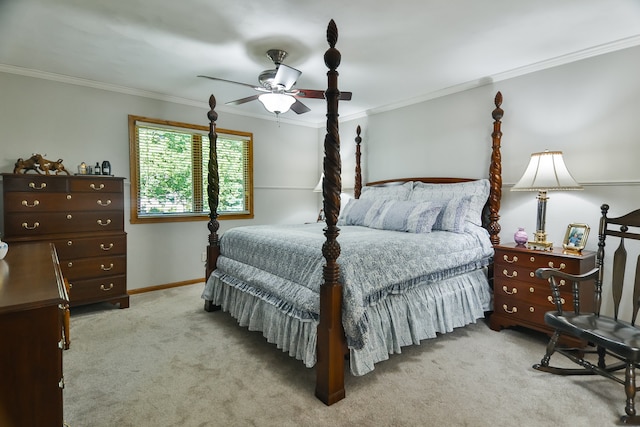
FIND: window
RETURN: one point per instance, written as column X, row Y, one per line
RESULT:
column 169, row 163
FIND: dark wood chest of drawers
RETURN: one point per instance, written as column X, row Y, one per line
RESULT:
column 32, row 303
column 84, row 217
column 520, row 298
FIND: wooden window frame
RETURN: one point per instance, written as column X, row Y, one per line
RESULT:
column 196, row 131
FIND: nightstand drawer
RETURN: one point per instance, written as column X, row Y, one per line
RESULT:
column 534, row 293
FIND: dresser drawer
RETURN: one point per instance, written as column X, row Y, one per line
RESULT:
column 96, row 184
column 34, row 183
column 81, row 247
column 82, row 268
column 519, row 312
column 24, row 202
column 533, row 293
column 39, row 224
column 83, row 291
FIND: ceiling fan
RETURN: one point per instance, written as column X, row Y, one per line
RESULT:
column 277, row 93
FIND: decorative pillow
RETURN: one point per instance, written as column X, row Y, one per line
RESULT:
column 388, row 192
column 478, row 191
column 354, row 212
column 453, row 215
column 399, row 215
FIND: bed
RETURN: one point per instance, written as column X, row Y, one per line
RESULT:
column 405, row 260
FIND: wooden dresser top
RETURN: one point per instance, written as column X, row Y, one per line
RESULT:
column 30, row 277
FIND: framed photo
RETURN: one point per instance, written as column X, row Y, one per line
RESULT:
column 575, row 239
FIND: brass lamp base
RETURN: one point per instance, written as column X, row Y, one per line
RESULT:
column 540, row 243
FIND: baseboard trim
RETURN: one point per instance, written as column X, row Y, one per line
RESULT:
column 165, row 286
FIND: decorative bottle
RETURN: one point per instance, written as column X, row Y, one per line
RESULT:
column 106, row 168
column 520, row 237
column 96, row 169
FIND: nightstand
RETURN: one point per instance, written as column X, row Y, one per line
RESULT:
column 520, row 298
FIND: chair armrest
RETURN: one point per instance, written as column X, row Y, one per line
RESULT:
column 546, row 273
column 552, row 275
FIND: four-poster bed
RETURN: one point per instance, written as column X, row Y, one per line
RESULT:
column 374, row 289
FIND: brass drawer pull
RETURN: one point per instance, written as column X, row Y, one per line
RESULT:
column 510, row 261
column 69, row 216
column 506, row 290
column 107, row 203
column 104, row 288
column 531, row 309
column 550, row 298
column 41, row 187
column 35, row 203
column 27, row 227
column 102, row 267
column 69, row 242
column 562, row 265
column 506, row 273
column 97, row 188
column 68, row 196
column 104, row 223
column 104, row 248
column 513, row 310
column 61, row 383
column 69, row 264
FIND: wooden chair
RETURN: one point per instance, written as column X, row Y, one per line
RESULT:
column 608, row 334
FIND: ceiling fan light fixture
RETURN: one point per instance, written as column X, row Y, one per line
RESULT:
column 277, row 102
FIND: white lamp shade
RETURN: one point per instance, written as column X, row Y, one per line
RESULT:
column 276, row 102
column 546, row 171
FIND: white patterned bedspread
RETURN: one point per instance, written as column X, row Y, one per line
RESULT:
column 283, row 265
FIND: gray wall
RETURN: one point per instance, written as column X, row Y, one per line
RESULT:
column 79, row 124
column 588, row 109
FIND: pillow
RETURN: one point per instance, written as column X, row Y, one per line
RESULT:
column 387, row 192
column 453, row 215
column 396, row 215
column 478, row 191
column 354, row 212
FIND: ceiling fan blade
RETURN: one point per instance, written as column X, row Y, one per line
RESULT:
column 299, row 108
column 243, row 100
column 231, row 81
column 286, row 76
column 319, row 94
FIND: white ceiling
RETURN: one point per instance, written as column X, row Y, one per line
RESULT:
column 393, row 53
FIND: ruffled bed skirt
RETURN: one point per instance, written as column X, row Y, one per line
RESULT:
column 394, row 322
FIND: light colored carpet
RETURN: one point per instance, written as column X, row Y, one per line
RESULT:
column 167, row 362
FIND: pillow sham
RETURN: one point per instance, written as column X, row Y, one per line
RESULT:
column 477, row 191
column 399, row 215
column 354, row 212
column 453, row 215
column 387, row 192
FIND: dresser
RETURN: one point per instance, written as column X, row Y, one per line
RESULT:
column 84, row 217
column 522, row 299
column 32, row 302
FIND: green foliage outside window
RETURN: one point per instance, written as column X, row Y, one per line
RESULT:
column 169, row 171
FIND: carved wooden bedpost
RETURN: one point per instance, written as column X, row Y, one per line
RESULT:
column 358, row 185
column 331, row 344
column 495, row 173
column 213, row 191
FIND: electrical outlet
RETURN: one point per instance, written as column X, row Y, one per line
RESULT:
column 203, row 257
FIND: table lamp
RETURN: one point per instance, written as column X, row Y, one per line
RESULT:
column 546, row 171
